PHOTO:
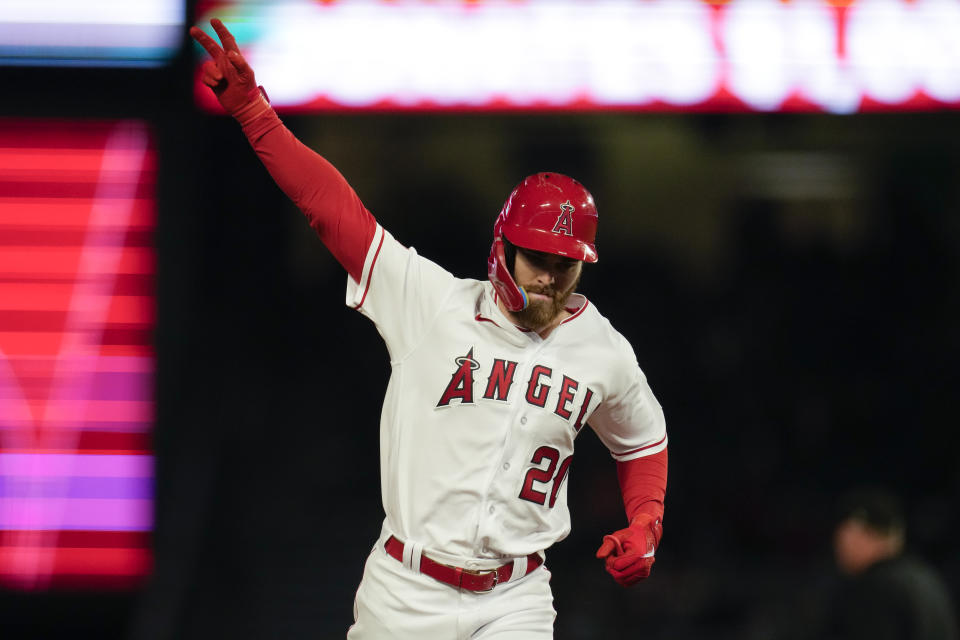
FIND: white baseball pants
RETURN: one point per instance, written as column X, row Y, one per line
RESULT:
column 397, row 603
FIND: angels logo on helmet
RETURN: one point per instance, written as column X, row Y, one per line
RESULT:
column 564, row 223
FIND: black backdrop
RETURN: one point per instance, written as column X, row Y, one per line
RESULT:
column 789, row 283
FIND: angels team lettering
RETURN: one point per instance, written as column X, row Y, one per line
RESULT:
column 500, row 379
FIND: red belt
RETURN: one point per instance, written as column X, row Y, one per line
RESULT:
column 469, row 579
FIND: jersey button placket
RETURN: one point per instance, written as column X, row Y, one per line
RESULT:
column 508, row 443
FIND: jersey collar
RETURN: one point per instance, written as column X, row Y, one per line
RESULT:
column 488, row 311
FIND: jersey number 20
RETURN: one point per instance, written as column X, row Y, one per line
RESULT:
column 543, row 476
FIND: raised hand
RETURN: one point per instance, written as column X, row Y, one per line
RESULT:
column 628, row 553
column 228, row 74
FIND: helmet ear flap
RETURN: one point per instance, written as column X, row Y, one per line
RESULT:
column 509, row 254
column 514, row 297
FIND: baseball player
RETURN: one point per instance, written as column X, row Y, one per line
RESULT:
column 491, row 382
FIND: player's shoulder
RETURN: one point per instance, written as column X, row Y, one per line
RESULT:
column 463, row 293
column 596, row 323
column 599, row 330
column 470, row 288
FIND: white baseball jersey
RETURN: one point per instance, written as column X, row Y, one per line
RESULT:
column 479, row 420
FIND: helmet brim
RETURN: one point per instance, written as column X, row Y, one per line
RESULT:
column 547, row 242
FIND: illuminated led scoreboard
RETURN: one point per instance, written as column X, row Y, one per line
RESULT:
column 835, row 56
column 77, row 214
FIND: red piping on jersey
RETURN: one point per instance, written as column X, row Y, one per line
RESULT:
column 370, row 274
column 655, row 444
column 579, row 311
column 495, row 298
column 480, row 318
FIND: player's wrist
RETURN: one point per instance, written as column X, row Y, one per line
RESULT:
column 649, row 527
column 258, row 104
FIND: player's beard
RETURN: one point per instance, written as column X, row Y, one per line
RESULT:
column 540, row 313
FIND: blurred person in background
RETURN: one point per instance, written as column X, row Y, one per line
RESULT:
column 888, row 594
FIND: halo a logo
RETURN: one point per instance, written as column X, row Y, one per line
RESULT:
column 564, row 222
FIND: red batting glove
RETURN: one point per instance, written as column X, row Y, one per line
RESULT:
column 228, row 74
column 629, row 552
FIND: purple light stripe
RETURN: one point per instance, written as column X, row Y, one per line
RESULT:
column 129, row 387
column 125, row 363
column 121, row 386
column 123, row 488
column 44, row 465
column 116, row 427
column 98, row 514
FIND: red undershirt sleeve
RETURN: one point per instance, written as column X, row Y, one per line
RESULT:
column 643, row 482
column 331, row 206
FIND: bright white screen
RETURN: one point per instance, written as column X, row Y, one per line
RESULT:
column 90, row 33
column 760, row 55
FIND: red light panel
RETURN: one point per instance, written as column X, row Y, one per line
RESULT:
column 77, row 211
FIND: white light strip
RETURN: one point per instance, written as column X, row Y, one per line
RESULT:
column 117, row 12
column 599, row 53
column 93, row 32
column 56, row 37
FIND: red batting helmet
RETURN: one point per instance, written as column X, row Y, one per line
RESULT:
column 547, row 212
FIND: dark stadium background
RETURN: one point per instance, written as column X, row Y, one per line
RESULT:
column 789, row 283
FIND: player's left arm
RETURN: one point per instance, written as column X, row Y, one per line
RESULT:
column 629, row 553
column 631, row 424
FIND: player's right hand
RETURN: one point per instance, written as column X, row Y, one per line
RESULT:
column 228, row 74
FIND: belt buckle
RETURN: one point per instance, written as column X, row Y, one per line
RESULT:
column 475, row 572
